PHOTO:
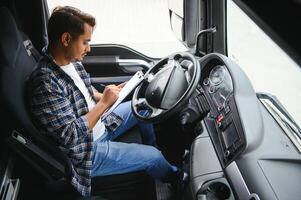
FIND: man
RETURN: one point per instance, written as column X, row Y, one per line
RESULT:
column 65, row 106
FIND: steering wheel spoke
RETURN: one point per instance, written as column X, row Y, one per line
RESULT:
column 155, row 112
column 142, row 105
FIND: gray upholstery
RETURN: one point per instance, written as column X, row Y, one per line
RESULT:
column 16, row 65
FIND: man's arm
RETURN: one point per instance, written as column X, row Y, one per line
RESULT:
column 54, row 113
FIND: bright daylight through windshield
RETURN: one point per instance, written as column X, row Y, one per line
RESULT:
column 140, row 24
column 144, row 26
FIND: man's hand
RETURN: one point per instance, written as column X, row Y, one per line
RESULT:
column 97, row 96
column 110, row 95
column 105, row 100
column 121, row 85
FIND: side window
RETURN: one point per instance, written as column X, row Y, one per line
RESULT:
column 269, row 68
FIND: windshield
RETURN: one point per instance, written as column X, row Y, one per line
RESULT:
column 269, row 68
column 139, row 24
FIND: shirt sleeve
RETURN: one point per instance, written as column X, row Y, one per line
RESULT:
column 55, row 114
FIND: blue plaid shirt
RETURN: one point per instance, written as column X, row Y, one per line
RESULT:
column 58, row 108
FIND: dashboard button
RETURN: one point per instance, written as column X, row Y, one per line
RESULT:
column 227, row 153
column 227, row 109
column 206, row 81
column 212, row 89
column 219, row 108
column 219, row 118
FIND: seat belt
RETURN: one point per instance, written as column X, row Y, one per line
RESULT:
column 31, row 50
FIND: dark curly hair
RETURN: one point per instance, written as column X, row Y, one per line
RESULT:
column 67, row 19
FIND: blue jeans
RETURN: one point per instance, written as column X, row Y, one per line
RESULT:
column 110, row 157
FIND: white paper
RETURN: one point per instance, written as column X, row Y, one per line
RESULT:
column 126, row 90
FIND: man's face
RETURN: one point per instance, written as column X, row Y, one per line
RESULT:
column 79, row 47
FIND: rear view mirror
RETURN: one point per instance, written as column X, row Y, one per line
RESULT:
column 176, row 14
column 186, row 19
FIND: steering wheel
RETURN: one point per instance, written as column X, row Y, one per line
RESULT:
column 166, row 87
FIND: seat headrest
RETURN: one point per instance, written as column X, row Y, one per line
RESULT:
column 10, row 39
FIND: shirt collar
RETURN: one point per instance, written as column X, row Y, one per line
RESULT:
column 46, row 53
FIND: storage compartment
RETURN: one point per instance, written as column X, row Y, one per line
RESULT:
column 203, row 158
column 207, row 177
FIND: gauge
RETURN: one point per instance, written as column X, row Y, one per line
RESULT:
column 217, row 75
column 220, row 85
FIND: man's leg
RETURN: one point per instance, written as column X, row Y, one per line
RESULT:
column 129, row 120
column 117, row 158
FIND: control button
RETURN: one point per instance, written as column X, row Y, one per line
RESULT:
column 227, row 153
column 227, row 109
column 219, row 121
column 219, row 118
column 212, row 89
column 219, row 108
column 206, row 81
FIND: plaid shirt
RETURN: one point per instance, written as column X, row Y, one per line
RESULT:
column 59, row 109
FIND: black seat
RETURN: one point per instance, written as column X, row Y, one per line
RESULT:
column 17, row 62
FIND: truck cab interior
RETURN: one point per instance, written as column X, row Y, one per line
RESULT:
column 234, row 142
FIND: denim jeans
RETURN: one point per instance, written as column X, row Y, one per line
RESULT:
column 111, row 157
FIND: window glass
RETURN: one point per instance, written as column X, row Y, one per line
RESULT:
column 140, row 24
column 269, row 68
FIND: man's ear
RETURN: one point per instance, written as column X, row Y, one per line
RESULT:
column 65, row 39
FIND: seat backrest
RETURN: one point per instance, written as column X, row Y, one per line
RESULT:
column 16, row 65
column 17, row 62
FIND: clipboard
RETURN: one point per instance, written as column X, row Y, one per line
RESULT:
column 126, row 90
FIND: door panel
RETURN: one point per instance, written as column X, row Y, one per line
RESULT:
column 103, row 66
column 114, row 64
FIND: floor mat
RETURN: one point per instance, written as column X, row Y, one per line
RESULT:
column 163, row 191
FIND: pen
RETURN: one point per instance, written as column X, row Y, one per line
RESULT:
column 103, row 85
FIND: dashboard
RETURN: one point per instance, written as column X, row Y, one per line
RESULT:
column 242, row 152
column 223, row 120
